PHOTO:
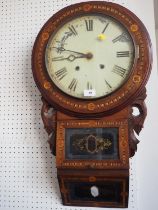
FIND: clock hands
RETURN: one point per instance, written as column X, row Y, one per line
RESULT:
column 62, row 49
column 72, row 57
column 69, row 58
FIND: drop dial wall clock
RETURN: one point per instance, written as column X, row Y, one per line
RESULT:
column 91, row 62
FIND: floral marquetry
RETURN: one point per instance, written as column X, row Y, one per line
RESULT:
column 134, row 28
column 92, row 144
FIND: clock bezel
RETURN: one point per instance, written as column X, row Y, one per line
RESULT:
column 116, row 100
column 123, row 81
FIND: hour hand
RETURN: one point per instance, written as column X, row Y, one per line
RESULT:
column 69, row 58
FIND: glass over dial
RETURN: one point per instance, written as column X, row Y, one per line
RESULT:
column 90, row 56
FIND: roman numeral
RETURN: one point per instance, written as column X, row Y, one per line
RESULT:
column 61, row 73
column 109, row 86
column 123, row 54
column 89, row 86
column 124, row 37
column 105, row 28
column 117, row 39
column 73, row 84
column 57, row 58
column 89, row 25
column 73, row 30
column 119, row 70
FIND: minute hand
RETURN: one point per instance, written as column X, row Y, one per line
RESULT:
column 63, row 49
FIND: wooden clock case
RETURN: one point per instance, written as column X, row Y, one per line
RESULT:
column 61, row 113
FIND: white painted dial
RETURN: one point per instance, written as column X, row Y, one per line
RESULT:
column 90, row 56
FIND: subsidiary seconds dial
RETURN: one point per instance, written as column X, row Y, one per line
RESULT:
column 90, row 56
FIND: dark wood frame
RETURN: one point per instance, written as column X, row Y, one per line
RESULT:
column 114, row 110
column 120, row 98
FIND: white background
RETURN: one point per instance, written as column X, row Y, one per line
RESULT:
column 27, row 169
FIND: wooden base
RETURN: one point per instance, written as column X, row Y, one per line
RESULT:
column 94, row 181
column 95, row 188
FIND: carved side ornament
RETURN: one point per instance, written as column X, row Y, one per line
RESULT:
column 48, row 114
column 137, row 120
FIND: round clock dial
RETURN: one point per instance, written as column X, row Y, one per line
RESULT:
column 90, row 56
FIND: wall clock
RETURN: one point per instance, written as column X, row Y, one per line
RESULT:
column 91, row 62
